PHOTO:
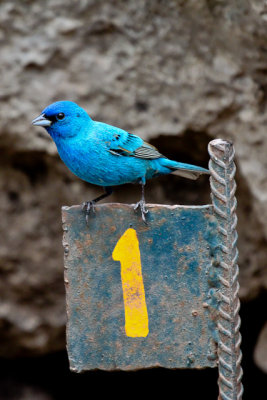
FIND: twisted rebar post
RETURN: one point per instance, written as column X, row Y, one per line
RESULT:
column 223, row 188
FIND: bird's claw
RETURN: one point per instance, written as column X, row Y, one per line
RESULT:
column 88, row 206
column 142, row 205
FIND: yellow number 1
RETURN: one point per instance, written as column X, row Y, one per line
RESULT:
column 127, row 252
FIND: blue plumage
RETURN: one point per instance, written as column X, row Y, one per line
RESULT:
column 104, row 155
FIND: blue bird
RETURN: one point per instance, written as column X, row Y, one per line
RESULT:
column 104, row 155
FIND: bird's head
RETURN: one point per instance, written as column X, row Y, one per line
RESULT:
column 63, row 119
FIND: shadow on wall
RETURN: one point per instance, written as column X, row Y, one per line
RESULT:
column 34, row 186
column 48, row 377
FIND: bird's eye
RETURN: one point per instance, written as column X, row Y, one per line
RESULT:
column 60, row 116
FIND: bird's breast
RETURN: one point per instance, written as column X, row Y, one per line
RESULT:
column 96, row 165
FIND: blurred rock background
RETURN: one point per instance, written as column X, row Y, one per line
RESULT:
column 179, row 73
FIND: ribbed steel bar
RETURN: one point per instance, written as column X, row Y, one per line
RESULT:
column 223, row 188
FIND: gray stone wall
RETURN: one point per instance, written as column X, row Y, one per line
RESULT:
column 176, row 72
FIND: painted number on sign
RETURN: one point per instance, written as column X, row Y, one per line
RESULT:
column 128, row 253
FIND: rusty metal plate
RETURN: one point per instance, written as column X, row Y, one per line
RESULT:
column 140, row 296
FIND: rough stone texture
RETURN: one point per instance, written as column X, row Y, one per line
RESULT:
column 260, row 354
column 179, row 73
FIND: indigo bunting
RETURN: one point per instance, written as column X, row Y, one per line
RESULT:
column 104, row 155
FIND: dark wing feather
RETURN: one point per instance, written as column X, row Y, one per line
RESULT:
column 147, row 151
column 133, row 146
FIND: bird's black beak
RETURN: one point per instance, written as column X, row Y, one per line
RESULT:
column 41, row 121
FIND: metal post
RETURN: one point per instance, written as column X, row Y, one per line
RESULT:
column 223, row 188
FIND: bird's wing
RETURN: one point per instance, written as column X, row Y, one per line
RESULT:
column 145, row 150
column 122, row 143
column 127, row 144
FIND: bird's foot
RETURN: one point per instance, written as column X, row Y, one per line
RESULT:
column 88, row 206
column 143, row 209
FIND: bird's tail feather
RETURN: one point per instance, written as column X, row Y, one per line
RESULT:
column 186, row 174
column 185, row 170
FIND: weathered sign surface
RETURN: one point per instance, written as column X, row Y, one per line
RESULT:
column 139, row 295
column 162, row 294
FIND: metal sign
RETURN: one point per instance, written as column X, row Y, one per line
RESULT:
column 162, row 294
